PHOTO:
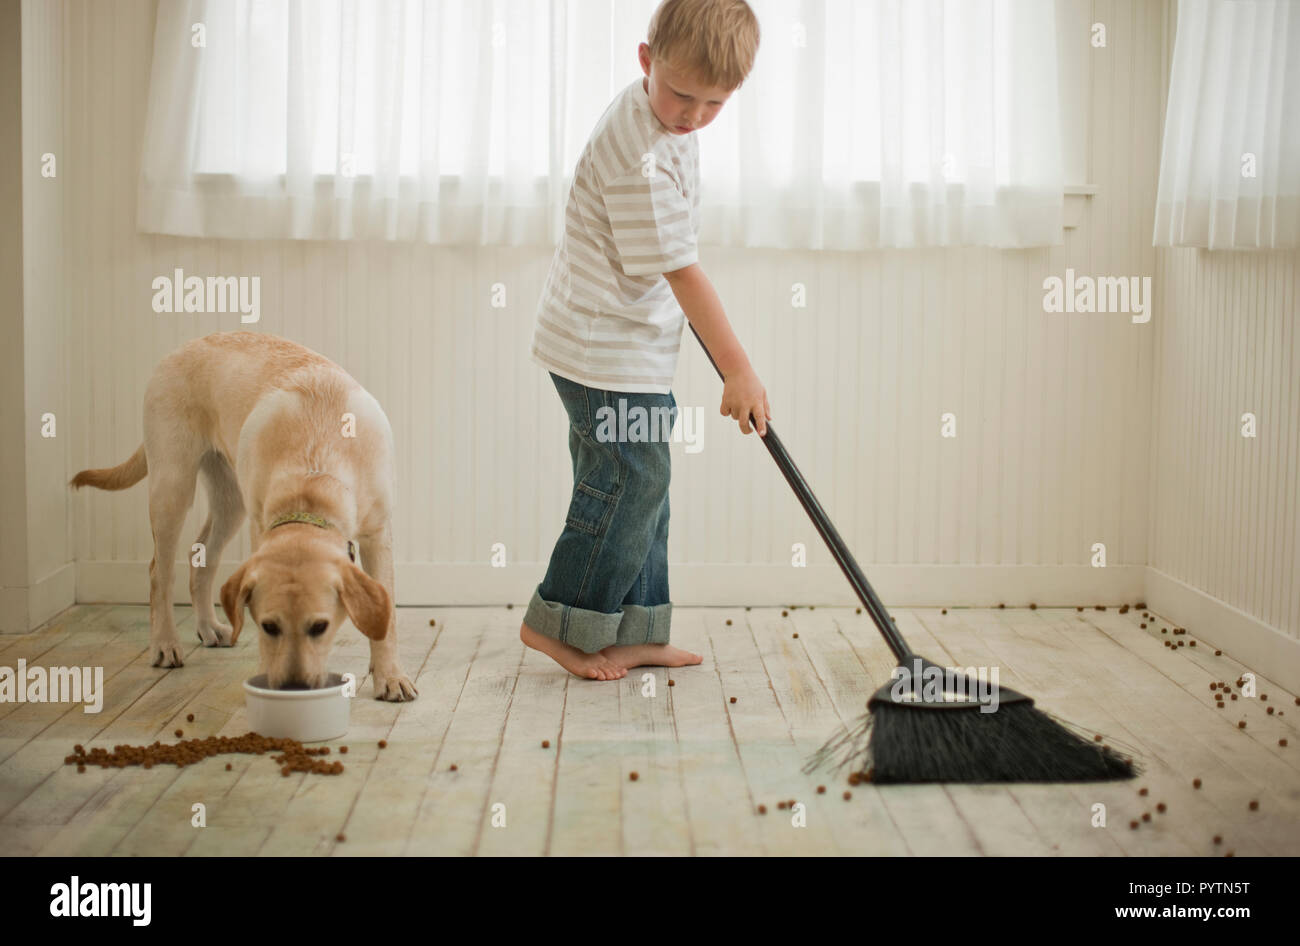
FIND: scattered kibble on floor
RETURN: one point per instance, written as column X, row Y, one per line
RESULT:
column 944, row 611
column 728, row 622
column 672, row 682
column 343, row 749
column 1146, row 816
column 1218, row 653
column 1282, row 743
column 847, row 795
column 1218, row 839
column 733, row 699
column 179, row 733
column 785, row 614
column 546, row 743
column 762, row 809
column 340, row 836
column 1196, row 783
column 821, row 789
column 1142, row 791
column 432, row 622
column 227, row 766
column 1161, row 807
column 632, row 776
column 452, row 767
column 796, row 633
column 1133, row 825
column 859, row 611
column 1241, row 724
column 189, row 718
column 1254, row 805
column 383, row 743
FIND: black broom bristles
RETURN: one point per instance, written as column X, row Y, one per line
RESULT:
column 901, row 743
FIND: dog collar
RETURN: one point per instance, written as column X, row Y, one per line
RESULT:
column 314, row 520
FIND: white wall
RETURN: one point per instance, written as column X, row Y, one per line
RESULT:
column 37, row 571
column 1054, row 411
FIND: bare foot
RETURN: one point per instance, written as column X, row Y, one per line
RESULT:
column 650, row 655
column 589, row 666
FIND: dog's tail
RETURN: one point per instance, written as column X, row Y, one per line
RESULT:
column 122, row 476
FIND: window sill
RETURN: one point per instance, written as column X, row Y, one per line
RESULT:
column 1076, row 198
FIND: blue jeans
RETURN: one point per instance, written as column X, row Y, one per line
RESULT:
column 607, row 582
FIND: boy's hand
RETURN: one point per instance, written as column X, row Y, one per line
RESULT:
column 742, row 395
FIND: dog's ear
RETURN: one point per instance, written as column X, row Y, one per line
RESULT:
column 366, row 601
column 234, row 596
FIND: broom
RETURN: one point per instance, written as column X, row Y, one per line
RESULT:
column 931, row 724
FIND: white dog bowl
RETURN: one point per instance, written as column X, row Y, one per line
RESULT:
column 305, row 715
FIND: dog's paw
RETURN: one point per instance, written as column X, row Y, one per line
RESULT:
column 214, row 633
column 394, row 686
column 166, row 653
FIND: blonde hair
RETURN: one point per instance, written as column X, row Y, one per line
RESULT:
column 715, row 40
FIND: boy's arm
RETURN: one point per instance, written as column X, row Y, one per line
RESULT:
column 742, row 393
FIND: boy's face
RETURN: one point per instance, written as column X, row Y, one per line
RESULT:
column 681, row 102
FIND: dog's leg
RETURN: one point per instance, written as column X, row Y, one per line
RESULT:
column 171, row 491
column 389, row 680
column 225, row 513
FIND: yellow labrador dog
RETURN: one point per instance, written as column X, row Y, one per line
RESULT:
column 287, row 437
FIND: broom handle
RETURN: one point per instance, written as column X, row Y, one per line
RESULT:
column 866, row 594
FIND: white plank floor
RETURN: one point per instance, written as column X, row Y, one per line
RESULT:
column 704, row 764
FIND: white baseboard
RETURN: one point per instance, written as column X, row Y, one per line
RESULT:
column 706, row 585
column 26, row 608
column 1240, row 636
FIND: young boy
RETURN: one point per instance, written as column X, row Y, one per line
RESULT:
column 609, row 326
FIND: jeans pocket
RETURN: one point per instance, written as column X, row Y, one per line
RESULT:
column 589, row 509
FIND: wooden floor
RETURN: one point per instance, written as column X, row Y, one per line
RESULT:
column 704, row 764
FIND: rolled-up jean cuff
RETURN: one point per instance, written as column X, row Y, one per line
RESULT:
column 590, row 631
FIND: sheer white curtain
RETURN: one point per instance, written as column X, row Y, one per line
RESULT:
column 865, row 123
column 1230, row 163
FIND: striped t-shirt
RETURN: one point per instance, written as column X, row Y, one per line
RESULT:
column 607, row 318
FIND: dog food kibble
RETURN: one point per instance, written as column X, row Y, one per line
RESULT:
column 944, row 611
column 848, row 795
column 285, row 771
column 179, row 733
column 785, row 614
column 432, row 622
column 1142, row 791
column 1218, row 839
column 1144, row 624
column 1032, row 606
column 1141, row 605
column 672, row 683
column 1078, row 607
column 780, row 806
column 1196, row 783
column 728, row 622
column 1228, row 854
column 1191, row 643
column 632, row 776
column 1001, row 605
column 383, row 743
column 733, row 699
column 509, row 607
column 340, row 837
column 1219, row 704
column 1164, row 630
column 854, row 778
column 1241, row 724
column 1218, row 653
column 546, row 743
column 762, row 809
column 1254, row 805
column 1282, row 742
column 1160, row 807
column 343, row 749
column 1297, row 701
column 227, row 766
column 1096, row 738
column 1270, row 711
column 81, row 768
column 859, row 611
column 189, row 718
column 1234, row 696
column 453, row 767
column 293, row 756
column 1146, row 816
column 1123, row 609
column 821, row 789
column 1133, row 825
